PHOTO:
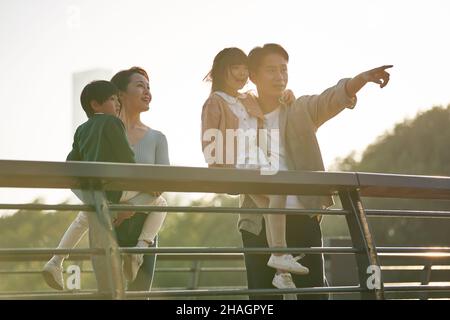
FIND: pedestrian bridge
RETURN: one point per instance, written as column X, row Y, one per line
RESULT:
column 349, row 187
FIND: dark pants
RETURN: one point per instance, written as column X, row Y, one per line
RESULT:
column 301, row 231
column 127, row 236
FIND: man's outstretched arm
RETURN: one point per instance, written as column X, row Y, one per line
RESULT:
column 378, row 75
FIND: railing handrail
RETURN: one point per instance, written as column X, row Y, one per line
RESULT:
column 115, row 176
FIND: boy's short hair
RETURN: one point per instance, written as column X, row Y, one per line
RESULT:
column 257, row 54
column 100, row 91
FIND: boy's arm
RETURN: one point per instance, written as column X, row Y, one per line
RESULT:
column 74, row 154
column 124, row 154
column 117, row 136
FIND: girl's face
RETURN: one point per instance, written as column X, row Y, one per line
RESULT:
column 236, row 77
column 137, row 97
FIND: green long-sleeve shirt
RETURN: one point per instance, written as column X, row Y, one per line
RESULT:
column 102, row 139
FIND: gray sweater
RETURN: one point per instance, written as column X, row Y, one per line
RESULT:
column 151, row 149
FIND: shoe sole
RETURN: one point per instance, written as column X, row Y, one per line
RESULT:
column 281, row 287
column 295, row 271
column 290, row 296
column 51, row 282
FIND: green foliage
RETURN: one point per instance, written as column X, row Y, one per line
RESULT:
column 420, row 147
column 34, row 229
column 202, row 230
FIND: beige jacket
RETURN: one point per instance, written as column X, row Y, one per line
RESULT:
column 217, row 115
column 298, row 124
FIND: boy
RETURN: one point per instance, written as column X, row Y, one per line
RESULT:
column 101, row 138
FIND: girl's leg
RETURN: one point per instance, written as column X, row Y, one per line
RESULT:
column 276, row 237
column 276, row 224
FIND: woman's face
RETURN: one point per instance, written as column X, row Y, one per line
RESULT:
column 236, row 77
column 137, row 97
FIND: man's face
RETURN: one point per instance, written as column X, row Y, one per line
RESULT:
column 271, row 77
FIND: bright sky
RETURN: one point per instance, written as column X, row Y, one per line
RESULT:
column 44, row 42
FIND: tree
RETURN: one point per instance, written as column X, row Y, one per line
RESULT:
column 420, row 146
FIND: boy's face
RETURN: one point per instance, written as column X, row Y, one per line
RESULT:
column 272, row 76
column 110, row 106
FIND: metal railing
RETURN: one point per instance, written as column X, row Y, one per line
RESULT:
column 348, row 186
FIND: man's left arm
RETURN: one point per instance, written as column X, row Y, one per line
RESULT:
column 329, row 103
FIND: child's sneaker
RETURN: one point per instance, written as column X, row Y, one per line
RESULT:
column 131, row 265
column 53, row 275
column 287, row 263
column 283, row 281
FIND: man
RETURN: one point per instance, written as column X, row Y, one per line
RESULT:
column 299, row 150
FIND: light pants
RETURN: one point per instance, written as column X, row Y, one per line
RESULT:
column 275, row 223
column 80, row 225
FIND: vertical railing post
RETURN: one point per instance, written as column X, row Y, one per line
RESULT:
column 195, row 275
column 363, row 241
column 107, row 268
column 425, row 278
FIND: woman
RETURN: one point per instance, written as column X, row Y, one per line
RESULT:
column 150, row 147
column 140, row 229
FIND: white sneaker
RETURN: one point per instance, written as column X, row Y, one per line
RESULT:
column 53, row 275
column 283, row 281
column 131, row 265
column 290, row 296
column 287, row 263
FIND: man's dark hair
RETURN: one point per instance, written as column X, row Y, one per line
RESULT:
column 100, row 91
column 122, row 78
column 222, row 62
column 256, row 56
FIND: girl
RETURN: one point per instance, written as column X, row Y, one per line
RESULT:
column 227, row 109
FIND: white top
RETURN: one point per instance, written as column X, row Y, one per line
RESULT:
column 272, row 122
column 247, row 146
column 275, row 148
